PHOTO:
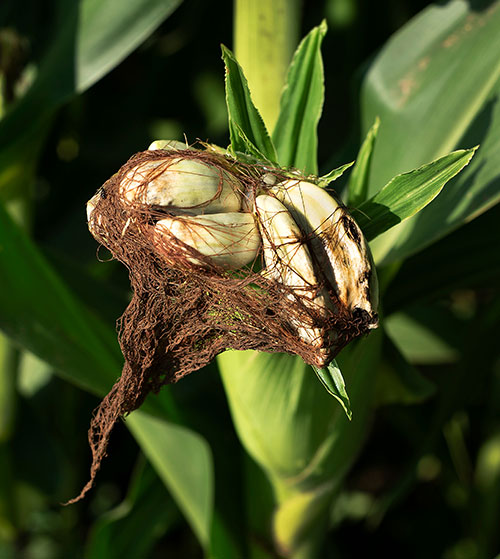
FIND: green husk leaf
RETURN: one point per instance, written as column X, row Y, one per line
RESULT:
column 304, row 499
column 243, row 115
column 271, row 397
column 360, row 175
column 297, row 523
column 295, row 134
column 325, row 180
column 406, row 194
column 251, row 154
column 333, row 381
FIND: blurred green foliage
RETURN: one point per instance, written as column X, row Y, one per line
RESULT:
column 427, row 481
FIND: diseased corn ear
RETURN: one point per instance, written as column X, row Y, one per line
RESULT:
column 337, row 244
column 182, row 183
column 198, row 211
column 231, row 240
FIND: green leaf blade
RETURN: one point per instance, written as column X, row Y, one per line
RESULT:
column 109, row 31
column 468, row 258
column 360, row 175
column 333, row 381
column 187, row 474
column 45, row 317
column 417, row 87
column 243, row 115
column 408, row 193
column 105, row 32
column 295, row 134
column 398, row 381
column 133, row 527
column 420, row 339
column 333, row 175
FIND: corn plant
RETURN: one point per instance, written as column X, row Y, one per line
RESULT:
column 256, row 455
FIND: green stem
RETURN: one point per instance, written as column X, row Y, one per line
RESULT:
column 265, row 36
column 301, row 520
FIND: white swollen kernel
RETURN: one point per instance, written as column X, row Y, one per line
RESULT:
column 187, row 184
column 91, row 205
column 288, row 261
column 167, row 144
column 336, row 242
column 231, row 240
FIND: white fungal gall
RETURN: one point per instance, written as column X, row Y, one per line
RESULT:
column 231, row 240
column 91, row 205
column 182, row 183
column 337, row 244
column 167, row 145
column 288, row 261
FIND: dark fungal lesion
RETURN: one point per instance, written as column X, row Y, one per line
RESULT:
column 351, row 229
column 365, row 277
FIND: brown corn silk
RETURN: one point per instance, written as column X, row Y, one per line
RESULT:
column 183, row 314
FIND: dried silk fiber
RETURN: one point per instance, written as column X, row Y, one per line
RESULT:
column 186, row 308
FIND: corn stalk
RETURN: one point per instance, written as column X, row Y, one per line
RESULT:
column 265, row 37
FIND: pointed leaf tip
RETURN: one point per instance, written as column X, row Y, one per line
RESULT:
column 295, row 133
column 333, row 175
column 359, row 180
column 332, row 380
column 247, row 129
column 408, row 193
